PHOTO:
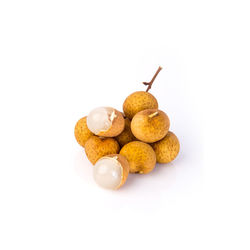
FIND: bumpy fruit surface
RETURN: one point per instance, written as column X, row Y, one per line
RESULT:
column 126, row 136
column 111, row 171
column 166, row 149
column 141, row 157
column 137, row 102
column 96, row 147
column 150, row 125
column 82, row 133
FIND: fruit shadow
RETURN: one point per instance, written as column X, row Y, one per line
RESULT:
column 162, row 175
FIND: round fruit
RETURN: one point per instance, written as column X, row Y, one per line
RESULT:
column 111, row 171
column 150, row 125
column 82, row 133
column 105, row 121
column 141, row 157
column 137, row 102
column 126, row 136
column 96, row 147
column 166, row 149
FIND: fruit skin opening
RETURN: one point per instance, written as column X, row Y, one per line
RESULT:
column 101, row 119
column 113, row 116
column 117, row 123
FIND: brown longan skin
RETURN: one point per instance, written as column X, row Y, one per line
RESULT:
column 141, row 157
column 126, row 136
column 167, row 149
column 148, row 127
column 117, row 126
column 82, row 133
column 96, row 148
column 137, row 102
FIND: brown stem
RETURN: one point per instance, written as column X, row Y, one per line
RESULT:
column 152, row 81
column 153, row 114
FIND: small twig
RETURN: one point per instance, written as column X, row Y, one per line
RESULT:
column 153, row 114
column 149, row 84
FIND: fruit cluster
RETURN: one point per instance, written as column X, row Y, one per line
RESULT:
column 130, row 142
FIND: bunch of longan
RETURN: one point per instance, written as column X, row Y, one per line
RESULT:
column 131, row 142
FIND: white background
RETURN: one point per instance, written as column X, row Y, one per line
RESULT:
column 60, row 59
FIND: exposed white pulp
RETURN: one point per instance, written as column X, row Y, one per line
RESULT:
column 108, row 172
column 100, row 119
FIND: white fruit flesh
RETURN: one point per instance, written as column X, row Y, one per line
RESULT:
column 108, row 172
column 100, row 119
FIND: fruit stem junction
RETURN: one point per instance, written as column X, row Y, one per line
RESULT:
column 149, row 84
column 153, row 114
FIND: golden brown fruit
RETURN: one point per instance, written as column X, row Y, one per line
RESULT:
column 82, row 133
column 150, row 125
column 105, row 121
column 111, row 171
column 96, row 147
column 137, row 102
column 141, row 157
column 126, row 136
column 166, row 149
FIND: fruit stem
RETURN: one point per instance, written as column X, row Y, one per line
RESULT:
column 153, row 114
column 152, row 81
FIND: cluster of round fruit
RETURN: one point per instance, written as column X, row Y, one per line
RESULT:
column 130, row 142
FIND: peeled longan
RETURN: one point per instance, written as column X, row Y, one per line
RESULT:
column 137, row 102
column 105, row 121
column 111, row 171
column 141, row 157
column 126, row 136
column 150, row 125
column 96, row 147
column 166, row 149
column 82, row 133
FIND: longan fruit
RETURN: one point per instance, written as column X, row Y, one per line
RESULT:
column 167, row 149
column 96, row 147
column 111, row 171
column 140, row 155
column 105, row 121
column 137, row 102
column 82, row 133
column 150, row 125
